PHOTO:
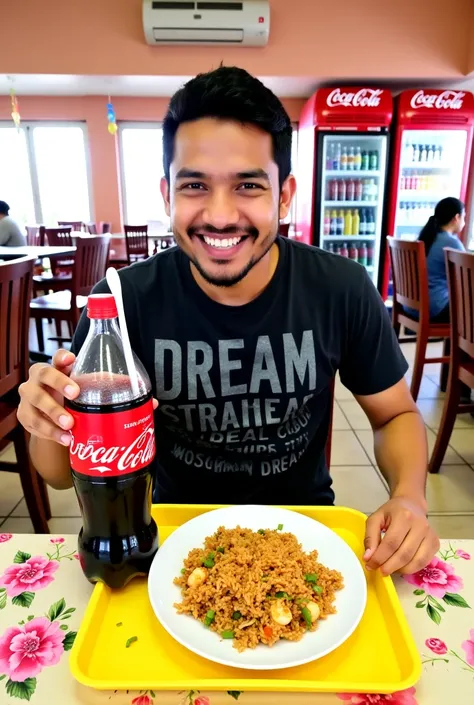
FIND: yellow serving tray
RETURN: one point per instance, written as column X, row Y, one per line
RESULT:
column 380, row 657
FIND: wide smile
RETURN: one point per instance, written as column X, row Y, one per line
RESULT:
column 221, row 247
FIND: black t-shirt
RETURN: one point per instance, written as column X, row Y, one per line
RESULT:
column 244, row 391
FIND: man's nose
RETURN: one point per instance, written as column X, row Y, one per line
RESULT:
column 220, row 210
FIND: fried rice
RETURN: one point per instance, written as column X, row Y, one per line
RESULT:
column 248, row 578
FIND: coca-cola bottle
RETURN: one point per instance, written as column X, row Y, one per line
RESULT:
column 112, row 446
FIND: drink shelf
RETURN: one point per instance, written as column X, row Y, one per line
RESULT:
column 349, row 204
column 422, row 195
column 345, row 173
column 427, row 166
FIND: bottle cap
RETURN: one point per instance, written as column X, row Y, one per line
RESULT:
column 101, row 306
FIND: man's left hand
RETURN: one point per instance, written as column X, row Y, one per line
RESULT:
column 409, row 542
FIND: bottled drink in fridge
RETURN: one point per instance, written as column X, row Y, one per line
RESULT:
column 112, row 447
column 348, row 223
column 330, row 157
column 353, row 253
column 364, row 160
column 341, row 190
column 370, row 255
column 357, row 159
column 344, row 159
column 340, row 223
column 359, row 190
column 363, row 223
column 374, row 160
column 351, row 159
column 333, row 190
column 439, row 152
column 327, row 223
column 355, row 223
column 424, row 153
column 333, row 226
column 416, row 153
column 350, row 190
column 344, row 252
column 330, row 248
column 363, row 254
column 403, row 182
column 431, row 152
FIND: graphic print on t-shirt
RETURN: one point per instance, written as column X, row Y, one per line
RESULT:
column 233, row 405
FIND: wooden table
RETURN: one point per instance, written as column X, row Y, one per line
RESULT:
column 36, row 251
column 56, row 594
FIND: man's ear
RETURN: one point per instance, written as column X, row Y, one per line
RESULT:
column 287, row 194
column 165, row 192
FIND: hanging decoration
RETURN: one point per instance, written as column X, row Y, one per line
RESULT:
column 15, row 110
column 112, row 126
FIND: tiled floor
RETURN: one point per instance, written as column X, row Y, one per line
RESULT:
column 357, row 481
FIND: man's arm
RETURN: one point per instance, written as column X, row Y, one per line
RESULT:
column 401, row 452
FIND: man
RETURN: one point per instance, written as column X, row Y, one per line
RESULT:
column 10, row 233
column 242, row 333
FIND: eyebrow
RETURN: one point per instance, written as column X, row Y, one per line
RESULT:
column 251, row 174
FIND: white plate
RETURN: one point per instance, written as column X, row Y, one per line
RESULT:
column 333, row 553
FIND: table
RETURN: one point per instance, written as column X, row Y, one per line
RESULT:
column 443, row 629
column 36, row 251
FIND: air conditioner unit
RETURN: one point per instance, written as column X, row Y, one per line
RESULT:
column 213, row 22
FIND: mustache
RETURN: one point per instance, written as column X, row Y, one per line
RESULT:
column 208, row 229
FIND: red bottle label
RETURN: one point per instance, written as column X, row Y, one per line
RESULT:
column 112, row 444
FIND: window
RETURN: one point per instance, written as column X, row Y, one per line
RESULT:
column 141, row 153
column 47, row 175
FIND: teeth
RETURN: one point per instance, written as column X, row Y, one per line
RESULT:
column 222, row 244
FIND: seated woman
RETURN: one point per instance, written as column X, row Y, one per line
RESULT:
column 441, row 231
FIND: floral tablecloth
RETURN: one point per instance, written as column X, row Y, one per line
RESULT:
column 43, row 596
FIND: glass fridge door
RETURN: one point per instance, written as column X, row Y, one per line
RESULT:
column 352, row 194
column 431, row 168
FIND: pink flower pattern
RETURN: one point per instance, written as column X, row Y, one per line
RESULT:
column 58, row 540
column 202, row 700
column 462, row 554
column 5, row 537
column 26, row 650
column 436, row 579
column 468, row 647
column 437, row 646
column 142, row 700
column 403, row 697
column 35, row 574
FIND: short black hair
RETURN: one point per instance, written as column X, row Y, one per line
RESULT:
column 230, row 93
column 4, row 208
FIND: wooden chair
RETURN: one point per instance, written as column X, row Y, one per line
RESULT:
column 61, row 274
column 15, row 294
column 460, row 270
column 89, row 268
column 136, row 239
column 105, row 227
column 91, row 228
column 59, row 237
column 35, row 235
column 76, row 225
column 410, row 288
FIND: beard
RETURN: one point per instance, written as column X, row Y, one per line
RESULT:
column 227, row 280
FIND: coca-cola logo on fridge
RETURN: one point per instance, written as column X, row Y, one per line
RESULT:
column 447, row 100
column 363, row 98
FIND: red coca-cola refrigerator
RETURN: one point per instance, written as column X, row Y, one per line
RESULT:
column 429, row 161
column 343, row 141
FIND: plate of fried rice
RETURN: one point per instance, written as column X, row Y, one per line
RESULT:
column 257, row 587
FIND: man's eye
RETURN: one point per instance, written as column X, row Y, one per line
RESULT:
column 249, row 186
column 195, row 186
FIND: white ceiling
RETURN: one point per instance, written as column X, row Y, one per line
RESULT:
column 142, row 86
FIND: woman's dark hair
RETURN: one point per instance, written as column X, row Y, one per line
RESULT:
column 4, row 208
column 230, row 93
column 445, row 211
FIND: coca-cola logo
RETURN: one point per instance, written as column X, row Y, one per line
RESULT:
column 363, row 98
column 138, row 454
column 447, row 100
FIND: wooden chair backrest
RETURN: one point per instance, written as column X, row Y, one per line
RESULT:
column 410, row 278
column 136, row 238
column 59, row 237
column 15, row 295
column 35, row 235
column 76, row 225
column 90, row 263
column 460, row 271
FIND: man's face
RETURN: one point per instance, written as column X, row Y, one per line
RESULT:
column 224, row 198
